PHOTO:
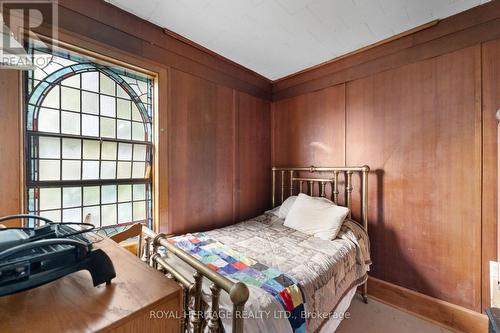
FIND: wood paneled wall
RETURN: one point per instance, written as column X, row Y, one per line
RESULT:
column 491, row 135
column 428, row 131
column 219, row 154
column 420, row 111
column 419, row 128
column 304, row 133
column 10, row 146
column 253, row 158
column 201, row 153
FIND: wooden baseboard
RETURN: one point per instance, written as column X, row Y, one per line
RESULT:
column 450, row 316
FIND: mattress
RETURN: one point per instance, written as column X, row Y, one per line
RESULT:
column 325, row 270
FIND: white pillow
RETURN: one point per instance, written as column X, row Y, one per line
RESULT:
column 275, row 211
column 316, row 216
column 286, row 206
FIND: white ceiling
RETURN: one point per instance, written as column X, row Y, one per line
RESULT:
column 276, row 38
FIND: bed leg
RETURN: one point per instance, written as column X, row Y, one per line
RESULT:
column 364, row 294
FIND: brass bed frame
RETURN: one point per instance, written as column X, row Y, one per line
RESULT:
column 284, row 181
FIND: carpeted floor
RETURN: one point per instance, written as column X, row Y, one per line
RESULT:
column 376, row 317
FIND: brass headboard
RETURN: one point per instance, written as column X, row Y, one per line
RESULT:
column 290, row 177
column 291, row 182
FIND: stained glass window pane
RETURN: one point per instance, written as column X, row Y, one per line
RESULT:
column 124, row 130
column 48, row 120
column 108, row 170
column 70, row 123
column 138, row 170
column 108, row 127
column 90, row 81
column 108, row 215
column 95, row 214
column 136, row 115
column 50, row 198
column 125, row 212
column 125, row 151
column 139, row 192
column 90, row 170
column 49, row 147
column 136, row 88
column 108, row 150
column 90, row 125
column 91, row 195
column 123, row 108
column 124, row 193
column 121, row 93
column 124, row 170
column 71, row 170
column 107, row 85
column 139, row 211
column 72, row 215
column 86, row 99
column 70, row 99
column 53, row 215
column 91, row 149
column 143, row 86
column 72, row 197
column 140, row 152
column 52, row 98
column 49, row 170
column 108, row 106
column 72, row 81
column 72, row 148
column 90, row 102
column 137, row 131
column 108, row 194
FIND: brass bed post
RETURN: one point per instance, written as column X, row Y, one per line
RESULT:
column 196, row 318
column 282, row 186
column 364, row 211
column 323, row 190
column 273, row 196
column 291, row 182
column 147, row 250
column 335, row 187
column 213, row 323
column 348, row 191
column 239, row 295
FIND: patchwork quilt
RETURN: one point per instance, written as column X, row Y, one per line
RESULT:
column 237, row 266
column 325, row 270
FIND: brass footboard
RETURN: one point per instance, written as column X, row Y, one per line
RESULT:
column 285, row 182
column 194, row 321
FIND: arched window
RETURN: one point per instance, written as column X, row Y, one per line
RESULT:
column 89, row 140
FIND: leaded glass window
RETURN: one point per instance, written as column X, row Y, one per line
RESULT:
column 89, row 140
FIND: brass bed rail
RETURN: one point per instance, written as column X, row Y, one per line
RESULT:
column 238, row 292
column 289, row 177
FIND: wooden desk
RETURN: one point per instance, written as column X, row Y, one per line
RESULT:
column 72, row 304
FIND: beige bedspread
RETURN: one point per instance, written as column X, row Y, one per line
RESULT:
column 326, row 270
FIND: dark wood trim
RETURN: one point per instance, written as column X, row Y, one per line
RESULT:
column 442, row 313
column 490, row 103
column 465, row 29
column 108, row 24
column 11, row 159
